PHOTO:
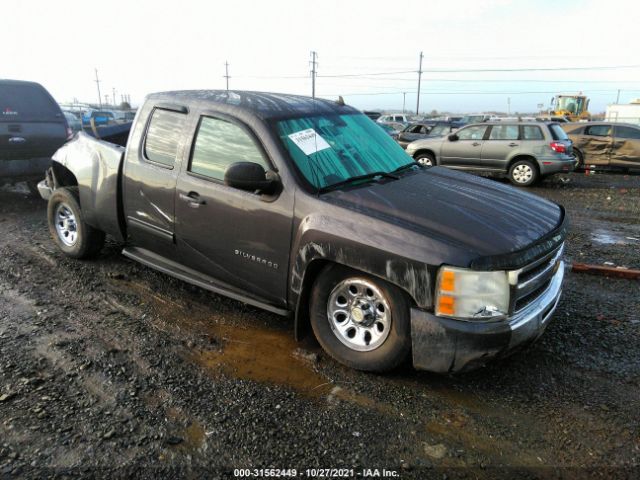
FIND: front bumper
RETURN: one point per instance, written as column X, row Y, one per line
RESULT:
column 445, row 345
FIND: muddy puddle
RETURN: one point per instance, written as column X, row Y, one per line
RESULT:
column 240, row 348
column 606, row 237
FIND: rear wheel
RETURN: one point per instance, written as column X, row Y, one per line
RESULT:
column 73, row 236
column 523, row 173
column 427, row 159
column 361, row 321
column 579, row 159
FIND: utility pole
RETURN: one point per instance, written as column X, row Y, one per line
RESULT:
column 226, row 74
column 404, row 97
column 419, row 79
column 314, row 72
column 113, row 90
column 618, row 97
column 106, row 100
column 508, row 105
column 98, row 85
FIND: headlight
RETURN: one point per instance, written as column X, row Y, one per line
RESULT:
column 468, row 294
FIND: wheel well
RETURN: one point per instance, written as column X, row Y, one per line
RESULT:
column 62, row 176
column 424, row 150
column 301, row 322
column 517, row 158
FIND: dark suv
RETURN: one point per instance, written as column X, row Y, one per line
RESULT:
column 32, row 128
column 525, row 151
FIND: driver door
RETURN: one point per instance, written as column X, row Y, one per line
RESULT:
column 236, row 237
column 466, row 151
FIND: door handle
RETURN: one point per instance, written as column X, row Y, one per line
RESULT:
column 192, row 198
column 17, row 140
column 513, row 144
column 475, row 144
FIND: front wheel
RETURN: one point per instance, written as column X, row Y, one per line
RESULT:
column 579, row 159
column 426, row 159
column 361, row 321
column 523, row 173
column 73, row 236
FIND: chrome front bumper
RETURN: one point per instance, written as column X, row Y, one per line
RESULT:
column 447, row 345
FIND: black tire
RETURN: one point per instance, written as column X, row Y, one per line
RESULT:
column 88, row 241
column 427, row 159
column 579, row 159
column 524, row 173
column 394, row 347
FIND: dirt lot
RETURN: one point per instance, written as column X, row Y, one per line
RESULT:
column 109, row 369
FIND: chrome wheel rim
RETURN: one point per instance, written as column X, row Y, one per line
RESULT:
column 522, row 173
column 66, row 225
column 426, row 161
column 359, row 314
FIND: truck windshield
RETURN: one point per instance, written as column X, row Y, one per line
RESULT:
column 329, row 149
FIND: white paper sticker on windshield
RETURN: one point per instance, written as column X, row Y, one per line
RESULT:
column 309, row 141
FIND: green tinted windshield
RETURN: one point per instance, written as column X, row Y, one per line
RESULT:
column 328, row 149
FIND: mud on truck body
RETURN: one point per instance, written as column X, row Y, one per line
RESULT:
column 308, row 209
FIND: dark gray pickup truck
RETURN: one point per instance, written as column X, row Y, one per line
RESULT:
column 308, row 209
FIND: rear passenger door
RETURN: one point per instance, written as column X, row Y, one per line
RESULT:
column 151, row 171
column 239, row 238
column 498, row 148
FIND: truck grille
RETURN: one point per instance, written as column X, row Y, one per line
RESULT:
column 531, row 281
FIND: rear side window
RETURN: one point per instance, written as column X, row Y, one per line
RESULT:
column 531, row 132
column 219, row 144
column 557, row 132
column 598, row 130
column 504, row 132
column 627, row 132
column 27, row 103
column 163, row 136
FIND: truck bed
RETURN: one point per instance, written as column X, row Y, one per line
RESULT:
column 97, row 167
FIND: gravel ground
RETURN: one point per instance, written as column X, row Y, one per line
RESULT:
column 110, row 369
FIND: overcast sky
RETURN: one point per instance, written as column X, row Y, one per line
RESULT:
column 141, row 47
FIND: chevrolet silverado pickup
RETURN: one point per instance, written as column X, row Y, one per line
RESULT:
column 308, row 209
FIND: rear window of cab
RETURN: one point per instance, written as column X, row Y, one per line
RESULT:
column 27, row 102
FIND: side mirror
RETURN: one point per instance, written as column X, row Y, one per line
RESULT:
column 251, row 177
column 453, row 137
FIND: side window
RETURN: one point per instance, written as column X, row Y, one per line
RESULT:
column 163, row 136
column 472, row 133
column 627, row 132
column 399, row 118
column 220, row 143
column 504, row 132
column 598, row 130
column 531, row 132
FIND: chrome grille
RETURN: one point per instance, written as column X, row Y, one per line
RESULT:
column 528, row 283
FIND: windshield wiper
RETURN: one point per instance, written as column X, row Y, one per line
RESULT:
column 368, row 176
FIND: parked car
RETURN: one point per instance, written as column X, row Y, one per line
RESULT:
column 99, row 117
column 393, row 133
column 394, row 118
column 73, row 121
column 425, row 129
column 525, row 151
column 372, row 115
column 605, row 144
column 307, row 209
column 32, row 128
column 476, row 118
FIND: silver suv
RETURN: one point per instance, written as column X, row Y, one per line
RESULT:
column 525, row 151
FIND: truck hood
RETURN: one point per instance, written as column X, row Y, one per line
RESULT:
column 484, row 216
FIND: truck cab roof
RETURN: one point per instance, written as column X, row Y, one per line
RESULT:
column 264, row 105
